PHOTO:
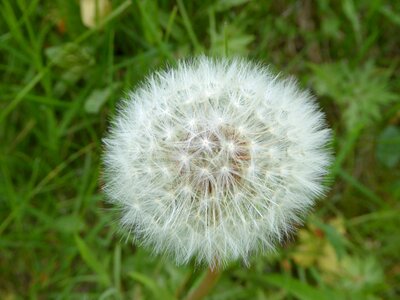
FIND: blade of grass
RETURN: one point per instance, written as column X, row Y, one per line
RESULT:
column 374, row 216
column 89, row 258
column 117, row 267
column 32, row 83
column 299, row 289
column 361, row 188
column 149, row 23
column 189, row 28
column 51, row 175
column 171, row 21
column 158, row 292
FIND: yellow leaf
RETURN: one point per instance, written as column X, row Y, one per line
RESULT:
column 328, row 261
column 308, row 249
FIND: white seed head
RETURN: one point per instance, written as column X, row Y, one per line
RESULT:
column 215, row 159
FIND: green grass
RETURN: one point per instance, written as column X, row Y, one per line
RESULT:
column 60, row 82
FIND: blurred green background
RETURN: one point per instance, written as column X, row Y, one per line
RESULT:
column 62, row 71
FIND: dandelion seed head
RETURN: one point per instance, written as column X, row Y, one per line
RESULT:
column 215, row 159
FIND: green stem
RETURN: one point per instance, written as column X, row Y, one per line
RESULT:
column 205, row 286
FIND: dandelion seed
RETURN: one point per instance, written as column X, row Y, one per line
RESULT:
column 215, row 159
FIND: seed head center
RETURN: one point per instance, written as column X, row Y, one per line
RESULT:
column 214, row 160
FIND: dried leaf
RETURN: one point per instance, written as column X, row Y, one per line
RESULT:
column 94, row 11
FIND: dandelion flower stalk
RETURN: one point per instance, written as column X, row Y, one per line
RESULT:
column 208, row 282
column 215, row 160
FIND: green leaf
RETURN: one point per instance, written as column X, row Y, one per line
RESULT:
column 302, row 290
column 224, row 5
column 388, row 148
column 89, row 258
column 361, row 275
column 390, row 15
column 350, row 11
column 360, row 92
column 69, row 224
column 71, row 55
column 157, row 291
column 97, row 98
column 150, row 23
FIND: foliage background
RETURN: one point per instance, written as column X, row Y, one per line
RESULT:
column 61, row 80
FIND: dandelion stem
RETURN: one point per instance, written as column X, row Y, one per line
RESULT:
column 205, row 285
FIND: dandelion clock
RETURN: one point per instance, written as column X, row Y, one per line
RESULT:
column 215, row 159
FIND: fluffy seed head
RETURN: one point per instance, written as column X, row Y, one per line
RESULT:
column 215, row 159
